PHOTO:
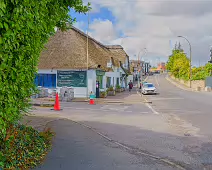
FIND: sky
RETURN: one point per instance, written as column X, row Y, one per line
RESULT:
column 153, row 25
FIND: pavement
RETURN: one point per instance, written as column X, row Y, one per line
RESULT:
column 172, row 132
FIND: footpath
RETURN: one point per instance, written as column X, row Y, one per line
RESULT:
column 122, row 97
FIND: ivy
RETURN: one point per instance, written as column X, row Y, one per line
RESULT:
column 25, row 27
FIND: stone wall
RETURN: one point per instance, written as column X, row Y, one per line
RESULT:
column 198, row 84
column 195, row 84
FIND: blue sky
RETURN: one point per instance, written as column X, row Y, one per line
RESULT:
column 103, row 14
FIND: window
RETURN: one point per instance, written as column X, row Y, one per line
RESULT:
column 46, row 80
column 113, row 81
column 117, row 81
column 108, row 81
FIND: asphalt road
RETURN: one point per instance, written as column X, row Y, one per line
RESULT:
column 194, row 107
column 78, row 148
column 175, row 127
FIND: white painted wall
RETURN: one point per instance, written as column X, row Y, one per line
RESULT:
column 114, row 76
column 79, row 92
column 91, row 81
column 104, row 81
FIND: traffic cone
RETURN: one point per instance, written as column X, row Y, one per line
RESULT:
column 57, row 103
column 91, row 102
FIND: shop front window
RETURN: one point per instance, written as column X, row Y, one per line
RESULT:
column 117, row 82
column 108, row 82
column 46, row 80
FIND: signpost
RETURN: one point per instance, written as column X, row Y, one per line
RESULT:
column 71, row 78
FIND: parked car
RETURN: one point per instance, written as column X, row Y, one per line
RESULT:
column 149, row 88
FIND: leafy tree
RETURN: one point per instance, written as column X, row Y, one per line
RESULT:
column 25, row 26
column 208, row 69
column 178, row 64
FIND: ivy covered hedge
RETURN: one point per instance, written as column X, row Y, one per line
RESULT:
column 25, row 27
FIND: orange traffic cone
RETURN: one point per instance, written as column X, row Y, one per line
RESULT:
column 57, row 103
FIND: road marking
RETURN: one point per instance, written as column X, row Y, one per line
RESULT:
column 121, row 108
column 167, row 161
column 146, row 78
column 151, row 108
column 148, row 105
column 156, row 79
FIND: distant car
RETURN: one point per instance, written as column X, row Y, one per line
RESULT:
column 151, row 74
column 149, row 88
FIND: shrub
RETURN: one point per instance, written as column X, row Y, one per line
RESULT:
column 110, row 88
column 24, row 147
column 118, row 87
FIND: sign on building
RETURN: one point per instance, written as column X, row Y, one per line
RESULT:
column 72, row 78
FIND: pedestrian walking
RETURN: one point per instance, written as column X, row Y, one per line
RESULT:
column 130, row 84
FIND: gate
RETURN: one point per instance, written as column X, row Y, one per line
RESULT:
column 208, row 81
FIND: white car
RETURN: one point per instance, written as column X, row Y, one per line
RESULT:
column 149, row 88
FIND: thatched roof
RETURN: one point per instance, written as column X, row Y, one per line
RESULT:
column 118, row 52
column 67, row 50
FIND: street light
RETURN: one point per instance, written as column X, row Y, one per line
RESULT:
column 140, row 72
column 87, row 56
column 190, row 75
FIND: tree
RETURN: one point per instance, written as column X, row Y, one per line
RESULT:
column 25, row 26
column 178, row 64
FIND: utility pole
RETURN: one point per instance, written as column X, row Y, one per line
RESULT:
column 87, row 57
column 140, row 67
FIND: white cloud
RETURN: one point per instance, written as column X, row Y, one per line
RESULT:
column 102, row 30
column 153, row 23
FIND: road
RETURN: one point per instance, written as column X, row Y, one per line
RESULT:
column 78, row 148
column 194, row 107
column 132, row 131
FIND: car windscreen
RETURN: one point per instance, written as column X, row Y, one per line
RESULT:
column 149, row 85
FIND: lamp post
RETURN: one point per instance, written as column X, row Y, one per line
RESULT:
column 190, row 75
column 140, row 72
column 87, row 56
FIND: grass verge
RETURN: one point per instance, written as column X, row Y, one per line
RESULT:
column 24, row 147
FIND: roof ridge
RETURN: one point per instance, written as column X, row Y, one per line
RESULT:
column 117, row 46
column 85, row 35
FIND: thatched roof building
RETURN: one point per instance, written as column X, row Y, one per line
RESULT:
column 119, row 54
column 67, row 50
